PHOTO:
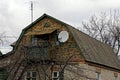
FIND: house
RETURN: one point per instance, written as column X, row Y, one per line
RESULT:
column 49, row 49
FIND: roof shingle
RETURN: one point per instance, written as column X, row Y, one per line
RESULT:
column 94, row 50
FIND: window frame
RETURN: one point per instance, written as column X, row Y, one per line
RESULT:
column 97, row 76
column 34, row 40
column 53, row 77
column 31, row 77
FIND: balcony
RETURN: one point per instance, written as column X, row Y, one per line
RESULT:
column 37, row 52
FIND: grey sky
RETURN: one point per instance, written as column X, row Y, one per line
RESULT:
column 15, row 14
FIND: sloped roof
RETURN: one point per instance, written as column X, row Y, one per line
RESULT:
column 93, row 50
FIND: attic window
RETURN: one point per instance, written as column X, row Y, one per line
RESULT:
column 47, row 24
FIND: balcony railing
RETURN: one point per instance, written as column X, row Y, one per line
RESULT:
column 41, row 51
column 37, row 52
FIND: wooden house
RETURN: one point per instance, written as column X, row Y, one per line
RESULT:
column 49, row 49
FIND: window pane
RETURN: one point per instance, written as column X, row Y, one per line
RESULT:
column 55, row 74
column 3, row 74
column 28, row 74
column 97, row 76
column 33, row 74
column 34, row 40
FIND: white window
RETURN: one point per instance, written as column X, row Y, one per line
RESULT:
column 97, row 76
column 31, row 75
column 58, row 75
column 55, row 75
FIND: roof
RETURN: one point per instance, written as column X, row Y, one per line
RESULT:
column 92, row 50
column 95, row 51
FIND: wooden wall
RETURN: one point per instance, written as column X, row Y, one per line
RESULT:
column 63, row 51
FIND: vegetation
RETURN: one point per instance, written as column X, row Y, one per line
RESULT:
column 105, row 28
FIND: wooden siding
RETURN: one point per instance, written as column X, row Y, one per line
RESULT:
column 62, row 51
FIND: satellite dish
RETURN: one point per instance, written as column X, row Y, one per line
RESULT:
column 63, row 36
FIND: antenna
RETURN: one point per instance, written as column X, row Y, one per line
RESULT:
column 31, row 3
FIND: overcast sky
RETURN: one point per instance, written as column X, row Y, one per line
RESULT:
column 15, row 14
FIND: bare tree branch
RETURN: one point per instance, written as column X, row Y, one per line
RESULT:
column 105, row 28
